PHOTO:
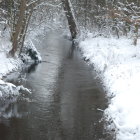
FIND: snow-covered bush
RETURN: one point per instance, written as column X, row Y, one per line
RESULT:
column 8, row 89
column 30, row 53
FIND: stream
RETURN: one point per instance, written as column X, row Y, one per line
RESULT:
column 66, row 101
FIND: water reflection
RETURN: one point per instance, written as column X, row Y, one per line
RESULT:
column 19, row 78
column 32, row 68
column 71, row 51
column 10, row 107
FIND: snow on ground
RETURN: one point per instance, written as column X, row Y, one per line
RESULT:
column 9, row 64
column 10, row 93
column 117, row 62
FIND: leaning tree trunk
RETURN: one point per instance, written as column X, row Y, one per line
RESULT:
column 70, row 17
column 18, row 27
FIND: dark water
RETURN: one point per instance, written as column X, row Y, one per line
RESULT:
column 65, row 102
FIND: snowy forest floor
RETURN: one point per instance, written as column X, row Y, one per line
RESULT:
column 117, row 63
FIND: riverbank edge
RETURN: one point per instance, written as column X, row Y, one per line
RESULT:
column 112, row 60
column 107, row 120
column 17, row 64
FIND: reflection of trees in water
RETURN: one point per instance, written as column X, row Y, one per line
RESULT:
column 32, row 68
column 13, row 107
column 71, row 50
column 8, row 108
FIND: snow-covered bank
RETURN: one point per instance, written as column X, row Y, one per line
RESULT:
column 117, row 62
column 9, row 64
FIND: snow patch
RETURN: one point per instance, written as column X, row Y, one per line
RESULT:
column 30, row 53
column 8, row 89
column 117, row 62
column 9, row 64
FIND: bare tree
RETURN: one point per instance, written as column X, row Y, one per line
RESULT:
column 20, row 22
column 18, row 27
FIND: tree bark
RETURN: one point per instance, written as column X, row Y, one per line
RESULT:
column 70, row 17
column 18, row 28
column 136, row 34
column 24, row 30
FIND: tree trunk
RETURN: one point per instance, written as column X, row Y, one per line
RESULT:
column 136, row 34
column 70, row 17
column 18, row 27
column 24, row 31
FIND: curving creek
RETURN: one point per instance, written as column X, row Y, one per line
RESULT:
column 66, row 103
